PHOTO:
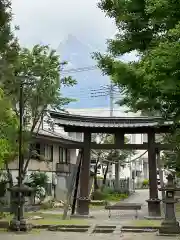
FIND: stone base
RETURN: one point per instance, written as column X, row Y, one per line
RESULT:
column 22, row 226
column 154, row 207
column 83, row 206
column 81, row 216
column 169, row 227
column 154, row 217
column 169, row 230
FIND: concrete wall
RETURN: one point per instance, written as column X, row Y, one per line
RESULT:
column 46, row 166
column 50, row 168
column 61, row 187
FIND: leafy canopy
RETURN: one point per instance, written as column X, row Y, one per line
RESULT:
column 8, row 129
column 151, row 28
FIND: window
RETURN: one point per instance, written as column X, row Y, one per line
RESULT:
column 48, row 152
column 36, row 148
column 145, row 138
column 63, row 155
column 133, row 138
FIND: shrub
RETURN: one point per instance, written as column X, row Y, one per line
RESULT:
column 108, row 194
column 145, row 183
column 47, row 205
column 98, row 195
column 108, row 190
column 3, row 188
column 38, row 181
column 3, row 215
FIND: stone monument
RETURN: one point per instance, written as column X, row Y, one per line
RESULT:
column 169, row 225
column 19, row 223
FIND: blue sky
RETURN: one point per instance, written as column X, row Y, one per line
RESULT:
column 52, row 22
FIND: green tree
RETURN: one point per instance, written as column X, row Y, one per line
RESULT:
column 9, row 46
column 9, row 49
column 8, row 129
column 151, row 29
column 37, row 71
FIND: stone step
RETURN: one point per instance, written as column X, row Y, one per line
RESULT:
column 64, row 229
column 104, row 229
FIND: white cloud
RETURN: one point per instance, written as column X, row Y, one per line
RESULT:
column 49, row 22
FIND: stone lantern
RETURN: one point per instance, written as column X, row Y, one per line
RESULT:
column 19, row 223
column 169, row 225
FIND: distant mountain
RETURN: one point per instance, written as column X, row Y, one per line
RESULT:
column 78, row 55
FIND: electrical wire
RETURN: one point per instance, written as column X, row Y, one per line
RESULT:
column 81, row 69
column 114, row 162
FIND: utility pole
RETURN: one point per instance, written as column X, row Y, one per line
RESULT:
column 21, row 157
column 111, row 105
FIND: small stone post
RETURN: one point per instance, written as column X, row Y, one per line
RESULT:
column 169, row 225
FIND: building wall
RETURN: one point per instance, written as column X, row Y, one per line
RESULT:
column 49, row 167
column 35, row 165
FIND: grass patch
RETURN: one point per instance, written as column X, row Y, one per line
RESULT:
column 48, row 219
column 91, row 206
column 146, row 223
column 59, row 222
column 116, row 197
column 44, row 215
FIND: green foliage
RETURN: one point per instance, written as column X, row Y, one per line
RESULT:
column 8, row 55
column 36, row 70
column 8, row 129
column 47, row 205
column 145, row 183
column 98, row 195
column 9, row 46
column 151, row 28
column 3, row 184
column 38, row 179
column 172, row 161
column 108, row 194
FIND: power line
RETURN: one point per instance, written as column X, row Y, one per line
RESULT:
column 102, row 91
column 81, row 69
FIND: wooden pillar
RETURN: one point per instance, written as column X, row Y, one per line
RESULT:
column 83, row 199
column 153, row 201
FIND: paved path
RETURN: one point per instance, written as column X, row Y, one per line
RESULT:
column 140, row 196
column 117, row 217
column 45, row 235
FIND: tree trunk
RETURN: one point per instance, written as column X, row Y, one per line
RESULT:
column 117, row 169
column 95, row 175
column 10, row 181
column 105, row 174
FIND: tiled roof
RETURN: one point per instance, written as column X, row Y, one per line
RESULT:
column 48, row 133
column 64, row 119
